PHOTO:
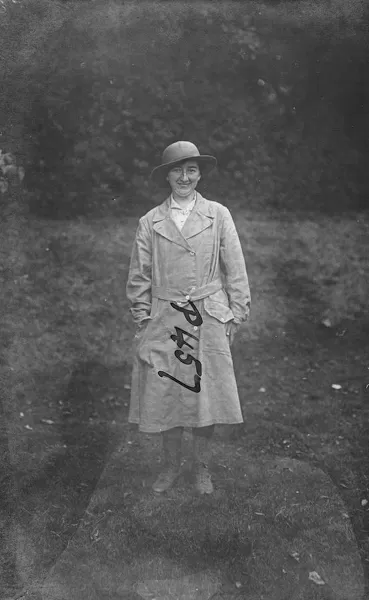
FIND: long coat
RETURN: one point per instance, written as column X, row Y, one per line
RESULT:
column 187, row 284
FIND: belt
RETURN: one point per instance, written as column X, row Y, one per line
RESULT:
column 199, row 293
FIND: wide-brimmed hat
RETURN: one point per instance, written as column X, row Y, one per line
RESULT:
column 177, row 153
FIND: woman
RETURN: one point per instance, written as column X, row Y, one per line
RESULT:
column 189, row 293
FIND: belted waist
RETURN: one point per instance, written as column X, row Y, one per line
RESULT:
column 199, row 293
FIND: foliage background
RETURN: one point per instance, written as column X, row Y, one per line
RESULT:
column 276, row 91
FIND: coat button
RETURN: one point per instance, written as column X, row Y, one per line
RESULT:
column 187, row 297
column 192, row 253
column 195, row 328
column 222, row 319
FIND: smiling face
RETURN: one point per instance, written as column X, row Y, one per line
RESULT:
column 183, row 179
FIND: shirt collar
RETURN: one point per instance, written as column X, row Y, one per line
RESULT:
column 174, row 204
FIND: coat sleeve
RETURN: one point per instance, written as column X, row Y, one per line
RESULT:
column 138, row 287
column 233, row 266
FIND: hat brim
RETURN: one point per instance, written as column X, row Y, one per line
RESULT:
column 206, row 163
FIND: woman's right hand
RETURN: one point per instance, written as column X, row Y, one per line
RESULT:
column 141, row 328
column 231, row 330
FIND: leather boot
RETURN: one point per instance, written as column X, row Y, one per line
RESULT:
column 201, row 457
column 172, row 445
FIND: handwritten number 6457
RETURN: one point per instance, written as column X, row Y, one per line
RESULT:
column 189, row 360
column 194, row 318
column 195, row 388
column 188, row 314
column 179, row 338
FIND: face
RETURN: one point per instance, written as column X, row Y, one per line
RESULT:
column 183, row 178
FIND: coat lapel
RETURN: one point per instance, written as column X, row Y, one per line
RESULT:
column 200, row 218
column 165, row 226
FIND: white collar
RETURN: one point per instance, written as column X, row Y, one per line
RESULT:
column 175, row 204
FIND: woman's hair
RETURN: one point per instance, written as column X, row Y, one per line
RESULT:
column 183, row 161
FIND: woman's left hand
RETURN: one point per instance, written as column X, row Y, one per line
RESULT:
column 231, row 330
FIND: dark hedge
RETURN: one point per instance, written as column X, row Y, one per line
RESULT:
column 277, row 96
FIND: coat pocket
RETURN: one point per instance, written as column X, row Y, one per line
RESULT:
column 155, row 340
column 217, row 306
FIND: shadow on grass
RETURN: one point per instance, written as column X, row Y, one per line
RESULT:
column 7, row 502
column 58, row 496
column 171, row 535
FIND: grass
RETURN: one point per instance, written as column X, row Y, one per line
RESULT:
column 66, row 357
column 246, row 532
